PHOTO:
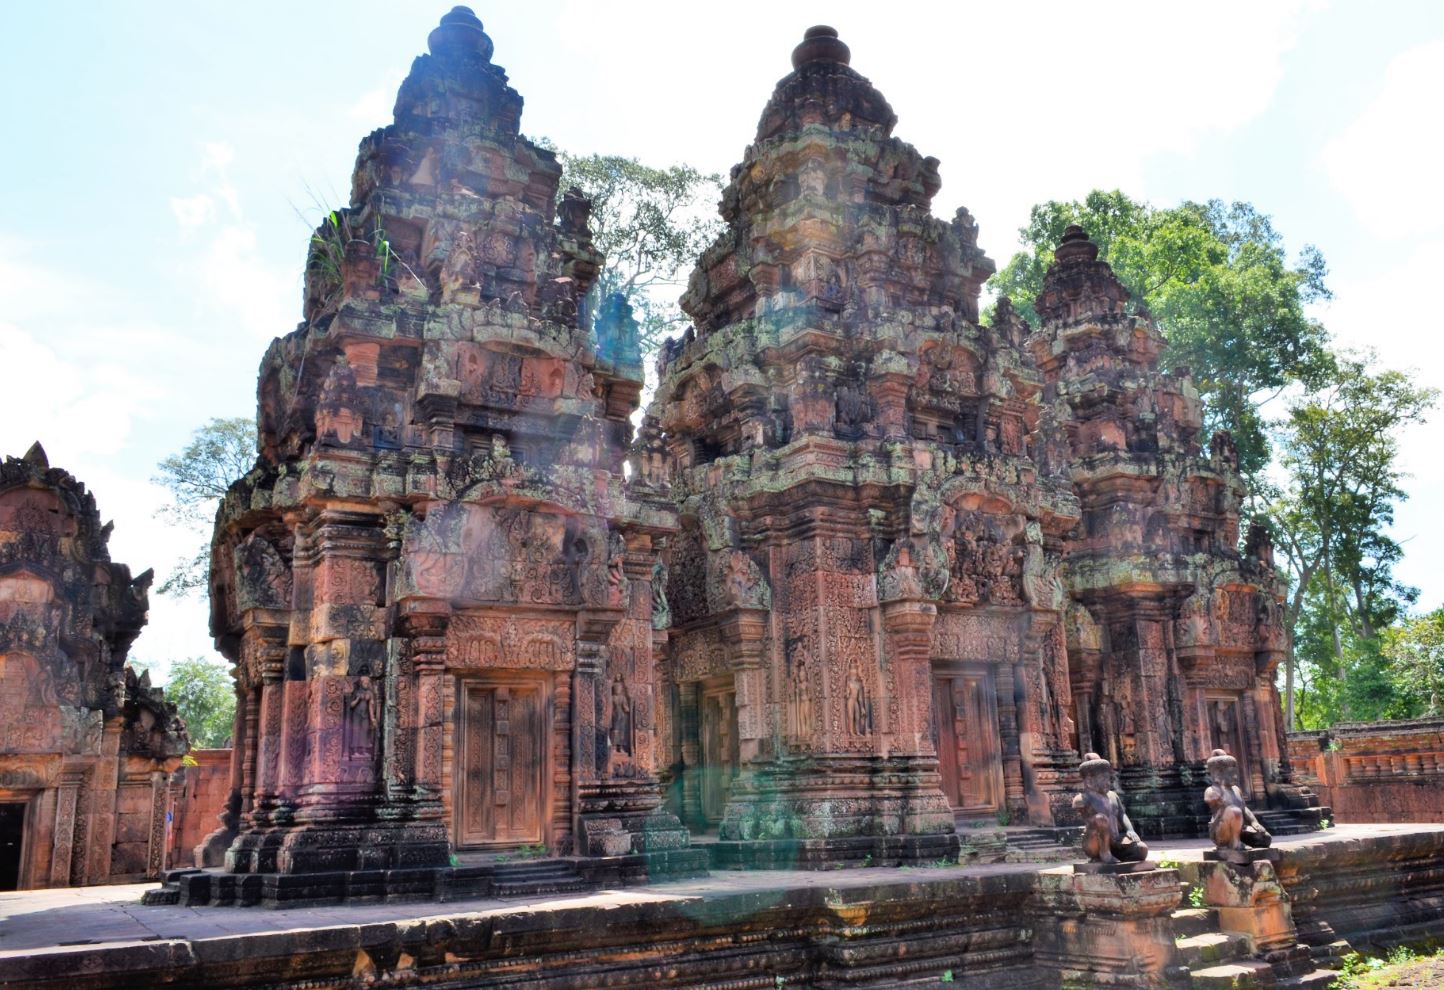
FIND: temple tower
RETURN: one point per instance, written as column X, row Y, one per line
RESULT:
column 436, row 584
column 1175, row 635
column 87, row 746
column 866, row 611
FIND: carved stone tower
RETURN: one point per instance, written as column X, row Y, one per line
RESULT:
column 865, row 585
column 436, row 584
column 1175, row 636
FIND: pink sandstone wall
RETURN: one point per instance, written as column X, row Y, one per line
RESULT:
column 196, row 802
column 1375, row 771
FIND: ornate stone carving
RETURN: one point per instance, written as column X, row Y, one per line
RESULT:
column 1108, row 835
column 1233, row 826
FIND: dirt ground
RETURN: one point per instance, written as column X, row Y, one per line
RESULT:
column 1417, row 974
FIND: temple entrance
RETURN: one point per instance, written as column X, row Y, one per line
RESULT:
column 12, row 844
column 1225, row 727
column 720, row 755
column 965, row 732
column 503, row 732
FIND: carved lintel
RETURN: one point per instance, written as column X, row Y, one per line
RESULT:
column 595, row 625
column 909, row 617
column 743, row 629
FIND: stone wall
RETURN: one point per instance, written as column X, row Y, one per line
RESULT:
column 1375, row 771
column 195, row 800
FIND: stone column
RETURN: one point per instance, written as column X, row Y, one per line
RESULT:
column 907, row 630
column 1008, row 733
column 420, row 730
column 688, row 716
column 67, row 819
column 270, row 666
column 743, row 630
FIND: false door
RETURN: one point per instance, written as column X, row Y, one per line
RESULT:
column 1225, row 724
column 718, row 733
column 965, row 732
column 503, row 747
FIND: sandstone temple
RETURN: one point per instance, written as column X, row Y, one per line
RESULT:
column 877, row 578
column 873, row 570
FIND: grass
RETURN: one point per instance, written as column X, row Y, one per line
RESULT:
column 1400, row 967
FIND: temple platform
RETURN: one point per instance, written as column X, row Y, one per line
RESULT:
column 975, row 926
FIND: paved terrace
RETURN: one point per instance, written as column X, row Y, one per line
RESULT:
column 57, row 921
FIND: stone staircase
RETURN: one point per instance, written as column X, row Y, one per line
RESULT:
column 1294, row 821
column 538, row 878
column 1219, row 960
column 1043, row 845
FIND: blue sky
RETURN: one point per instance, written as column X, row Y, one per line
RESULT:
column 157, row 155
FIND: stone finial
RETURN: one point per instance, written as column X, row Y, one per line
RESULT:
column 460, row 33
column 1075, row 246
column 35, row 456
column 820, row 44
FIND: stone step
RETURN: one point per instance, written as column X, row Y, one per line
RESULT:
column 1293, row 821
column 1198, row 951
column 1194, row 921
column 1243, row 974
column 1319, row 979
column 542, row 888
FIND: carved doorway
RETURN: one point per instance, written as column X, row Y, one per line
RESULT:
column 720, row 752
column 503, row 732
column 1225, row 729
column 965, row 732
column 12, row 844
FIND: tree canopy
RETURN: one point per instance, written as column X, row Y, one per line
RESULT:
column 1220, row 286
column 204, row 695
column 1338, row 449
column 651, row 223
column 219, row 453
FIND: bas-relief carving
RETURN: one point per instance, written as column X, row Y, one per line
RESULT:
column 462, row 552
column 488, row 640
column 976, row 636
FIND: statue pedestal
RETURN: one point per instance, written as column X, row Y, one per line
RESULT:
column 1244, row 890
column 1109, row 925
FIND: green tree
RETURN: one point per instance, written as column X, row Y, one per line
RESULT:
column 1219, row 284
column 1339, row 448
column 219, row 453
column 1415, row 652
column 205, row 697
column 652, row 224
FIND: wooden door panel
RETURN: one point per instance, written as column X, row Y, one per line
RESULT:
column 719, row 744
column 504, row 737
column 965, row 727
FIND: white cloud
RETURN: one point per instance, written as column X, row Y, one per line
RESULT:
column 73, row 409
column 1387, row 162
column 240, row 285
column 193, row 211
